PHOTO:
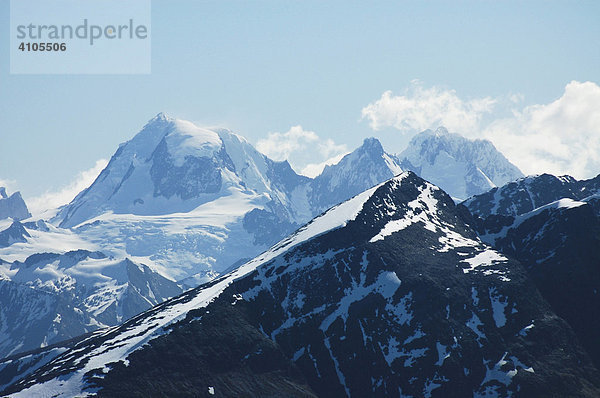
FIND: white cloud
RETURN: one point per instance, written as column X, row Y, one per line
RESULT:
column 314, row 169
column 304, row 149
column 421, row 108
column 516, row 98
column 562, row 137
column 40, row 205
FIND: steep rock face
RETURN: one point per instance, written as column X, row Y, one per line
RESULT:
column 111, row 290
column 12, row 206
column 195, row 176
column 188, row 202
column 410, row 302
column 191, row 201
column 559, row 243
column 460, row 166
column 174, row 166
column 390, row 293
column 221, row 350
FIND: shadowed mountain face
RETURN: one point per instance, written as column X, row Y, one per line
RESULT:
column 388, row 294
column 13, row 234
column 552, row 226
column 187, row 202
column 173, row 166
column 194, row 201
column 191, row 201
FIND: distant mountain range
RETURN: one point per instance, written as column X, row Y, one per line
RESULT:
column 460, row 166
column 47, row 297
column 180, row 206
column 204, row 199
column 390, row 293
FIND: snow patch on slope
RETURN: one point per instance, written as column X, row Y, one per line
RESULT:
column 424, row 210
column 483, row 259
column 420, row 210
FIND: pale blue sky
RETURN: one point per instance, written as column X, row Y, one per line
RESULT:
column 265, row 66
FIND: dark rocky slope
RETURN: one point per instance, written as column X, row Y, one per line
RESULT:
column 559, row 243
column 389, row 294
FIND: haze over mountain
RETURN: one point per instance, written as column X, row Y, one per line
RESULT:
column 175, row 203
column 391, row 292
column 49, row 294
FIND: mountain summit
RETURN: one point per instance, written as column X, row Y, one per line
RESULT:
column 174, row 166
column 188, row 200
column 551, row 224
column 12, row 206
column 183, row 203
column 366, row 166
column 460, row 166
column 390, row 294
column 191, row 201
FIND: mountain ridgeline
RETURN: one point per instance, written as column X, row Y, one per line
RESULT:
column 552, row 226
column 198, row 200
column 176, row 202
column 390, row 293
column 222, row 272
column 216, row 178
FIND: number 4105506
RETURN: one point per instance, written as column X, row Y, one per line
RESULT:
column 43, row 47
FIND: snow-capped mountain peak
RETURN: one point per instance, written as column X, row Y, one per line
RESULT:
column 186, row 200
column 372, row 146
column 460, row 166
column 187, row 139
column 366, row 166
column 551, row 224
column 440, row 131
column 528, row 193
column 171, row 166
column 12, row 206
